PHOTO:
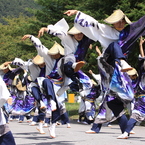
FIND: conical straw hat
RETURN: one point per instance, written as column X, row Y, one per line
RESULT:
column 56, row 49
column 116, row 16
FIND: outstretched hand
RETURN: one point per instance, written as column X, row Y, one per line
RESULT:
column 26, row 36
column 41, row 31
column 90, row 71
column 70, row 12
column 141, row 46
column 141, row 40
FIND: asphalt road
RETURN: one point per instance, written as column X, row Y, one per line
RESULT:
column 28, row 135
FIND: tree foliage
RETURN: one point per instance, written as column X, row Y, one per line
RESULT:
column 14, row 7
column 52, row 11
column 11, row 45
column 49, row 12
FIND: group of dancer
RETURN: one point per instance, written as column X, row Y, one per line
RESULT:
column 117, row 42
column 42, row 82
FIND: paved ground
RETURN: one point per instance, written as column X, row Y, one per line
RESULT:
column 28, row 135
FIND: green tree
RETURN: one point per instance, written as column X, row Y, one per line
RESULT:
column 52, row 11
column 14, row 7
column 11, row 45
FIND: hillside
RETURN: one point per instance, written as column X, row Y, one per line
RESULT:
column 15, row 7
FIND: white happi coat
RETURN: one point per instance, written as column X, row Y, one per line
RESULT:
column 60, row 30
column 96, row 31
column 4, row 95
column 50, row 62
column 69, row 43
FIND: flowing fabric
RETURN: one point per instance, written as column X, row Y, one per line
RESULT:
column 130, row 34
column 121, row 84
column 104, row 113
column 85, row 80
column 140, row 105
column 22, row 101
column 89, row 102
column 20, row 105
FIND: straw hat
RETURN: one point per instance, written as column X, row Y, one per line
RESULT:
column 116, row 16
column 56, row 49
column 38, row 60
column 74, row 31
column 132, row 72
column 3, row 67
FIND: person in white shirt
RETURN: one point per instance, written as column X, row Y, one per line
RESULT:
column 75, row 45
column 52, row 80
column 6, row 136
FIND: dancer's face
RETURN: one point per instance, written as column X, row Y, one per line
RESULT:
column 42, row 65
column 120, row 25
column 6, row 70
column 133, row 77
column 56, row 56
column 79, row 36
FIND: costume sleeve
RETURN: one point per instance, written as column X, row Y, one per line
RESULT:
column 43, row 52
column 23, row 64
column 41, row 49
column 96, row 31
column 59, row 29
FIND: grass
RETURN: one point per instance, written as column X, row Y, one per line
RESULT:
column 72, row 109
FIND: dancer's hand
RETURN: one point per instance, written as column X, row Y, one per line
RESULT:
column 41, row 31
column 141, row 40
column 141, row 46
column 98, row 50
column 26, row 36
column 90, row 71
column 70, row 12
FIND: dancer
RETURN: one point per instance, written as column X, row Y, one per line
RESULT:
column 36, row 68
column 52, row 80
column 87, row 107
column 112, row 51
column 17, row 90
column 138, row 82
column 76, row 45
column 6, row 136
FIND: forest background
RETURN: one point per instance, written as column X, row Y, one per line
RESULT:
column 20, row 17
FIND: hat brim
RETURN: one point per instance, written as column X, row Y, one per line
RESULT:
column 56, row 49
column 74, row 31
column 2, row 67
column 132, row 72
column 38, row 60
column 117, row 16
